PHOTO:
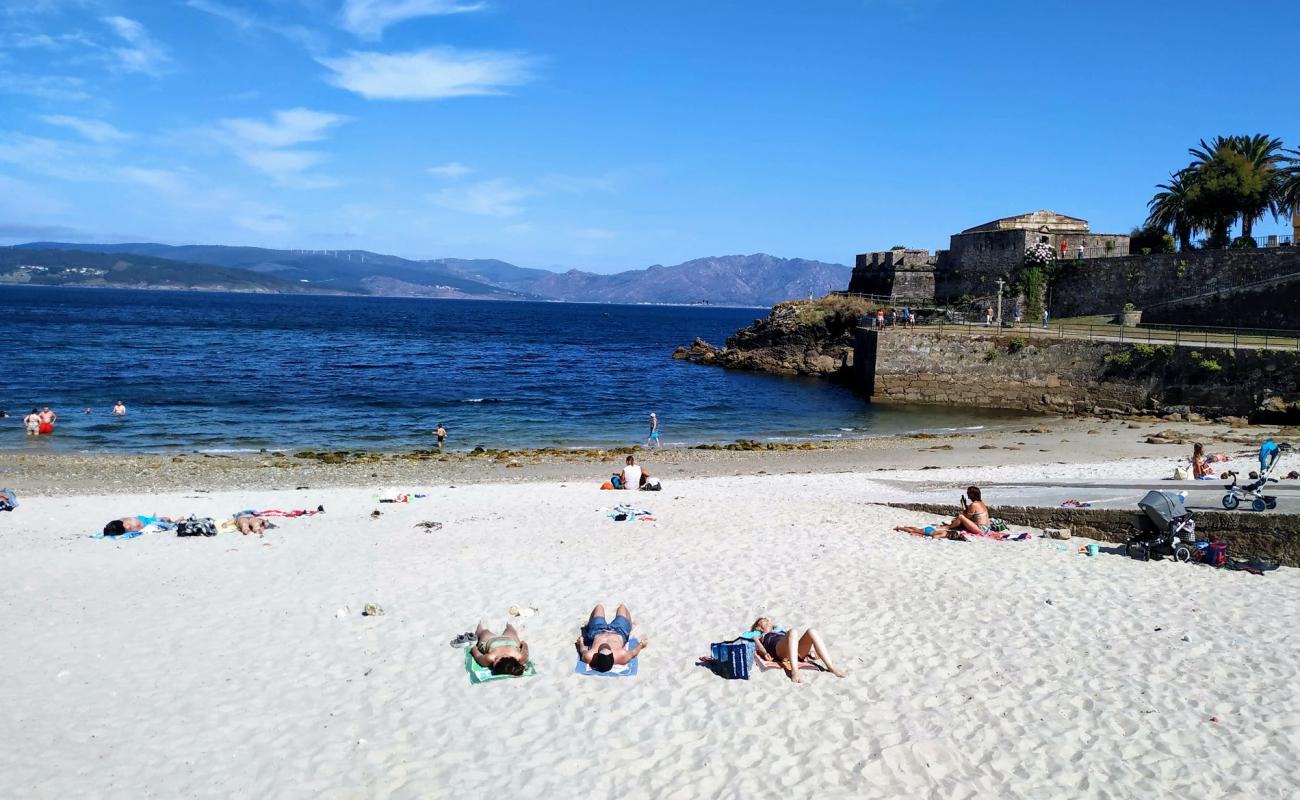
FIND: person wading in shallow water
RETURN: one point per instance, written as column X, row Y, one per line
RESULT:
column 441, row 433
column 653, row 439
column 47, row 418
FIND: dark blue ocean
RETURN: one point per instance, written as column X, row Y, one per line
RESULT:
column 227, row 373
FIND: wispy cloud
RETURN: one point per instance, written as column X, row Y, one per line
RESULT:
column 247, row 21
column 93, row 129
column 454, row 169
column 429, row 74
column 262, row 219
column 160, row 180
column 140, row 53
column 265, row 145
column 498, row 197
column 46, row 87
column 369, row 18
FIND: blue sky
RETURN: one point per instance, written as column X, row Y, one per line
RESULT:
column 604, row 135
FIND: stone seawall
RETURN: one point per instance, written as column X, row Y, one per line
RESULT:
column 1275, row 537
column 1074, row 375
column 1104, row 285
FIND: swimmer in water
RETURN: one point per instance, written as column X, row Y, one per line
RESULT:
column 119, row 409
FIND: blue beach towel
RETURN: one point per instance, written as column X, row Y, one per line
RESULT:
column 481, row 674
column 8, row 500
column 627, row 670
column 127, row 535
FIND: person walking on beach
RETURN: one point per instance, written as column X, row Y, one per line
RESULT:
column 47, row 418
column 602, row 645
column 653, row 439
column 33, row 423
column 119, row 410
column 441, row 433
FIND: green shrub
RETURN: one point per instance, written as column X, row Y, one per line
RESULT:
column 1121, row 359
column 1130, row 307
column 990, row 356
column 1244, row 243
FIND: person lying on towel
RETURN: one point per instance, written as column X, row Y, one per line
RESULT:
column 789, row 648
column 137, row 523
column 602, row 644
column 502, row 655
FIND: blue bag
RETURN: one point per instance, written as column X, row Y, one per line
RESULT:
column 733, row 659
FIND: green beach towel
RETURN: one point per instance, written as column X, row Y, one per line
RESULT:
column 481, row 674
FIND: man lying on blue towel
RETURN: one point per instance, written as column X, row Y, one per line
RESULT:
column 603, row 644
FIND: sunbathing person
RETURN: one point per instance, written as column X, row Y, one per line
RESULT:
column 137, row 523
column 602, row 645
column 251, row 523
column 502, row 655
column 776, row 644
column 974, row 518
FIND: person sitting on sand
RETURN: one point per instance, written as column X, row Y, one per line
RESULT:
column 790, row 648
column 137, row 523
column 974, row 518
column 633, row 476
column 602, row 644
column 1201, row 468
column 502, row 655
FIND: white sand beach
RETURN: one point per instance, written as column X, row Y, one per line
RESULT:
column 242, row 666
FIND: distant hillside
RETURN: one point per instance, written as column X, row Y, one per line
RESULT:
column 753, row 280
column 130, row 271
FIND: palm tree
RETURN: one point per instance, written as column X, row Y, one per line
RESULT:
column 1288, row 184
column 1169, row 209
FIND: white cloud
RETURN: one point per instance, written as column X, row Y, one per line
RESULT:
column 369, row 18
column 286, row 128
column 142, row 53
column 454, row 169
column 247, row 21
column 161, row 180
column 46, row 87
column 93, row 129
column 428, row 74
column 498, row 197
column 265, row 145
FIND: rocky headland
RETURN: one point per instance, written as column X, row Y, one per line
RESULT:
column 797, row 338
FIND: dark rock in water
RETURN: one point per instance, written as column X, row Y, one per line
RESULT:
column 797, row 338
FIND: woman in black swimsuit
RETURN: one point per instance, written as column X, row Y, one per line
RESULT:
column 775, row 645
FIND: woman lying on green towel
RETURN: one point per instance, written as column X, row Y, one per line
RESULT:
column 502, row 655
column 779, row 645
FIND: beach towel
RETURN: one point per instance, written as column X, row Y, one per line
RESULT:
column 298, row 512
column 627, row 670
column 624, row 512
column 127, row 535
column 8, row 500
column 481, row 674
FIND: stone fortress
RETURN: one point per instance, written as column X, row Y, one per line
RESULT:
column 977, row 257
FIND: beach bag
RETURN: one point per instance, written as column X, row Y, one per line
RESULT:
column 196, row 526
column 1182, row 473
column 8, row 500
column 651, row 485
column 1216, row 555
column 997, row 525
column 617, row 481
column 733, row 659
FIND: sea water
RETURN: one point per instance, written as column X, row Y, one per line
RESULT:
column 236, row 372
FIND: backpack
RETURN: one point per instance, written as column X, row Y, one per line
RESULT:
column 651, row 485
column 997, row 525
column 732, row 659
column 1216, row 555
column 196, row 526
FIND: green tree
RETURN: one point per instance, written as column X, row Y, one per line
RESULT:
column 1288, row 188
column 1225, row 186
column 1150, row 239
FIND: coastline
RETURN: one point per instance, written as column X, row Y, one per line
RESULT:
column 1052, row 447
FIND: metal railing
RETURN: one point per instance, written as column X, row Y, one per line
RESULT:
column 891, row 300
column 1176, row 335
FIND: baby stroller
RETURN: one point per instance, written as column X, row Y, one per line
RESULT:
column 1162, row 528
column 1269, row 454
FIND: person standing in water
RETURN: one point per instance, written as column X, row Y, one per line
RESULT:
column 441, row 433
column 33, row 423
column 653, row 439
column 47, row 418
column 119, row 410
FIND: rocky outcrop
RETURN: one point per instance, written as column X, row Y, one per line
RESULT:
column 797, row 338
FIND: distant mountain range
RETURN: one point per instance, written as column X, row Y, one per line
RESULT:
column 754, row 280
